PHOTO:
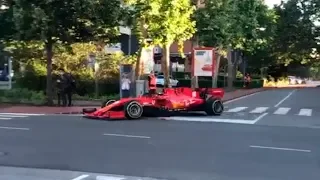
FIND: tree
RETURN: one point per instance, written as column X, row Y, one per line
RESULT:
column 227, row 24
column 296, row 36
column 164, row 22
column 57, row 21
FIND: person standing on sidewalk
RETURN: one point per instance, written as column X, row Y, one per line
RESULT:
column 70, row 87
column 61, row 82
column 125, row 86
column 247, row 80
column 152, row 83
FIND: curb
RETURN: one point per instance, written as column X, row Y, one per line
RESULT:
column 248, row 94
column 74, row 112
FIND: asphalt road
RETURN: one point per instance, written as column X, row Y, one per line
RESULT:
column 283, row 146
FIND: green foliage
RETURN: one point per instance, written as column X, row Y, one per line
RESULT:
column 296, row 37
column 63, row 22
column 21, row 95
column 256, row 83
column 232, row 23
column 170, row 20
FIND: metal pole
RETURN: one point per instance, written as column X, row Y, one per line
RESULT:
column 129, row 46
column 10, row 72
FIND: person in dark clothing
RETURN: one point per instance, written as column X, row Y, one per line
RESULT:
column 152, row 83
column 65, row 85
column 70, row 87
column 247, row 80
column 60, row 86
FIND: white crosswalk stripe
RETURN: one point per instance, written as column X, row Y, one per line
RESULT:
column 237, row 109
column 259, row 110
column 271, row 110
column 282, row 111
column 305, row 112
column 9, row 116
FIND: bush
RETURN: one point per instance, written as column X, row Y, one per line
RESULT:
column 271, row 82
column 22, row 95
column 208, row 83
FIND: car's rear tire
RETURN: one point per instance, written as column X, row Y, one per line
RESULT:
column 214, row 107
column 88, row 110
column 133, row 110
column 107, row 103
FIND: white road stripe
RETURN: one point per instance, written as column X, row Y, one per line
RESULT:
column 282, row 111
column 285, row 98
column 208, row 120
column 4, row 118
column 282, row 149
column 22, row 114
column 81, row 177
column 126, row 135
column 109, row 178
column 237, row 109
column 305, row 112
column 16, row 116
column 14, row 128
column 259, row 110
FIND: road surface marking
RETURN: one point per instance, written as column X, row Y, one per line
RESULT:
column 278, row 148
column 12, row 116
column 14, row 128
column 201, row 119
column 259, row 110
column 260, row 117
column 22, row 114
column 242, row 97
column 285, row 98
column 305, row 112
column 109, row 178
column 282, row 111
column 2, row 118
column 81, row 177
column 126, row 135
column 237, row 109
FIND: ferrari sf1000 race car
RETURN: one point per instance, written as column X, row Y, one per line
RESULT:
column 162, row 104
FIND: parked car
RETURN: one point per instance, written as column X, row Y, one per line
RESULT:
column 4, row 76
column 160, row 81
column 296, row 80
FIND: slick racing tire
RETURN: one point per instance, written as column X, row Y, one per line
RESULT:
column 107, row 103
column 133, row 110
column 88, row 110
column 214, row 107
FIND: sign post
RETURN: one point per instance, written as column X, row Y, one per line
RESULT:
column 8, row 73
column 203, row 62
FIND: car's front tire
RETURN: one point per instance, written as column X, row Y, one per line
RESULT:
column 133, row 110
column 107, row 103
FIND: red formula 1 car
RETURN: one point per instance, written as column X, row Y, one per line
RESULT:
column 171, row 100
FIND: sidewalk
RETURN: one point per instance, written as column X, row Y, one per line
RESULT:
column 78, row 105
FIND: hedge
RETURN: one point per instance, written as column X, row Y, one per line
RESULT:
column 84, row 87
column 208, row 83
column 87, row 87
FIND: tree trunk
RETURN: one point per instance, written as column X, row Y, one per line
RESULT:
column 194, row 79
column 138, row 64
column 165, row 64
column 216, row 71
column 49, row 54
column 230, row 69
column 142, row 44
